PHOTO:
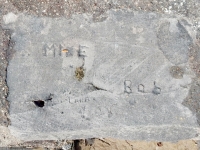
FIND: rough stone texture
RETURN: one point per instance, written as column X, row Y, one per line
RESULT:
column 192, row 100
column 4, row 46
column 195, row 58
column 188, row 8
column 55, row 8
column 177, row 72
column 174, row 41
column 127, row 91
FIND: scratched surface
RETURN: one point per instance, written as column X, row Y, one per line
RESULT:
column 131, row 88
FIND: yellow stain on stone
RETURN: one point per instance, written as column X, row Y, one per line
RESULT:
column 65, row 50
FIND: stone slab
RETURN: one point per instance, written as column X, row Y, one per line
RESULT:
column 136, row 76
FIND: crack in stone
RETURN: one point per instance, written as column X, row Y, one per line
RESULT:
column 97, row 88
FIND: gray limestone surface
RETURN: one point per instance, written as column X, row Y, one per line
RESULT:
column 136, row 76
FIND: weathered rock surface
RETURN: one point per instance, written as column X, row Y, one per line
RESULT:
column 136, row 76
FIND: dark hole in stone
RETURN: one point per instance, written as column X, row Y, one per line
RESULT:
column 39, row 103
column 77, row 145
column 62, row 112
column 160, row 144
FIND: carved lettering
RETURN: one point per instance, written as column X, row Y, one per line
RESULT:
column 141, row 88
column 156, row 90
column 49, row 50
column 82, row 50
column 80, row 100
column 56, row 50
column 127, row 86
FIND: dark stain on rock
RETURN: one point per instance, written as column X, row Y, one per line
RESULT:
column 195, row 58
column 4, row 48
column 176, row 72
column 174, row 44
column 160, row 144
column 192, row 101
column 198, row 34
column 10, row 43
column 77, row 144
column 99, row 16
